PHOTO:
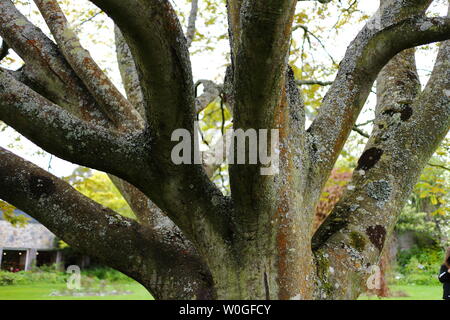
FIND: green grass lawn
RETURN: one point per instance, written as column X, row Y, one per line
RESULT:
column 42, row 291
column 412, row 292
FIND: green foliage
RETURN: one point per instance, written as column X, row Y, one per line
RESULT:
column 97, row 186
column 423, row 224
column 410, row 292
column 428, row 211
column 419, row 266
column 214, row 120
column 49, row 274
column 7, row 278
column 44, row 291
column 10, row 215
column 106, row 274
column 434, row 187
column 62, row 245
column 93, row 184
column 30, row 277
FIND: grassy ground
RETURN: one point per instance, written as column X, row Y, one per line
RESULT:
column 411, row 292
column 43, row 291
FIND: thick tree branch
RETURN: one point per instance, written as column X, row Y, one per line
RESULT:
column 150, row 215
column 113, row 104
column 199, row 209
column 259, row 87
column 264, row 58
column 157, row 43
column 234, row 25
column 158, row 46
column 46, row 70
column 61, row 133
column 24, row 75
column 117, row 241
column 369, row 52
column 407, row 132
column 256, row 244
column 128, row 73
column 101, row 149
column 145, row 211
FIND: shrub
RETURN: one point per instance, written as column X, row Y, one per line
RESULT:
column 108, row 274
column 8, row 278
column 51, row 275
column 28, row 277
column 419, row 266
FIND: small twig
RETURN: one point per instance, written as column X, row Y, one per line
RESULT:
column 223, row 133
column 190, row 31
column 313, row 82
column 88, row 19
column 364, row 123
column 201, row 133
column 198, row 116
column 50, row 163
column 306, row 31
column 362, row 133
column 438, row 166
column 223, row 115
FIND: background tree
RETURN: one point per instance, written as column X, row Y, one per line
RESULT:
column 191, row 240
column 428, row 210
column 98, row 187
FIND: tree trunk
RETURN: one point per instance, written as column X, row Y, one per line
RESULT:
column 189, row 240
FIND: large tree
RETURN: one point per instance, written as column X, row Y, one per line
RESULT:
column 189, row 240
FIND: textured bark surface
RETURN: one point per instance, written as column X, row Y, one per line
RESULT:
column 189, row 240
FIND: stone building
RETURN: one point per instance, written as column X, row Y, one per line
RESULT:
column 23, row 247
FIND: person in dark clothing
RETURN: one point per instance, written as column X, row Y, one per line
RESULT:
column 444, row 275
